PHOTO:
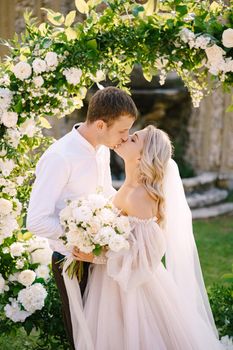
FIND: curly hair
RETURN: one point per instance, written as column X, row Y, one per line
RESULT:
column 157, row 151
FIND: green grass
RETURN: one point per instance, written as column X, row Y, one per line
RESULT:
column 214, row 238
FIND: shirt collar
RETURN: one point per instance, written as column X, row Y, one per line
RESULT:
column 78, row 137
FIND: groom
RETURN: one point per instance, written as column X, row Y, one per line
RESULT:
column 74, row 166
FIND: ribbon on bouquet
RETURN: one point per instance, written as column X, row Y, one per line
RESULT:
column 79, row 323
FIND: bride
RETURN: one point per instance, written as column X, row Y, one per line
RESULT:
column 133, row 301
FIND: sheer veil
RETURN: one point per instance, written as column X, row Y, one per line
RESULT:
column 181, row 257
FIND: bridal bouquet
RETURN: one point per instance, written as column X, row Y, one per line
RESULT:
column 93, row 225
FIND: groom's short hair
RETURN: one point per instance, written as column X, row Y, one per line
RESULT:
column 109, row 104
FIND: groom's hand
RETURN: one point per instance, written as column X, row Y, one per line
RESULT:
column 78, row 255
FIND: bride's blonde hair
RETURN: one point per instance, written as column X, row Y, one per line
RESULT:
column 157, row 150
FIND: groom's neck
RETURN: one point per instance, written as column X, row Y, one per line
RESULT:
column 89, row 133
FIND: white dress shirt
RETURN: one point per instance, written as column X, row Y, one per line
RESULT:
column 70, row 168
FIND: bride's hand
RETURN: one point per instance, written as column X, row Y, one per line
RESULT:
column 80, row 256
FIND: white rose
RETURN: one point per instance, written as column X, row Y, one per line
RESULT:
column 26, row 277
column 22, row 70
column 37, row 242
column 117, row 243
column 8, row 226
column 187, row 35
column 5, row 98
column 73, row 75
column 14, row 312
column 42, row 271
column 123, row 225
column 16, row 249
column 82, row 213
column 19, row 180
column 42, row 256
column 96, row 201
column 28, row 128
column 6, row 206
column 33, row 297
column 227, row 37
column 106, row 216
column 38, row 81
column 13, row 137
column 9, row 119
column 65, row 213
column 214, row 54
column 104, row 235
column 6, row 166
column 39, row 66
column 2, row 284
column 202, row 41
column 51, row 59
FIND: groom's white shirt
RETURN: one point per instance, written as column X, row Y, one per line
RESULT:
column 70, row 168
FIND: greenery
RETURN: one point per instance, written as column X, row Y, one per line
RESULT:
column 48, row 72
column 214, row 238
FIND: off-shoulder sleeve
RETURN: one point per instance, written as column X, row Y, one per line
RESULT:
column 133, row 267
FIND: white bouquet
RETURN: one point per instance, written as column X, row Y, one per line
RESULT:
column 93, row 225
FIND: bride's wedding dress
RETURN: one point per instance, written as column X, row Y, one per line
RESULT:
column 132, row 302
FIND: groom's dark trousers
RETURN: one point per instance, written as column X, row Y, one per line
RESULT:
column 57, row 272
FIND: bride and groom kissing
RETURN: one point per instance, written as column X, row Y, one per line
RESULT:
column 130, row 299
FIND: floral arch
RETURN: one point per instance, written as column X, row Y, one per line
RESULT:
column 47, row 74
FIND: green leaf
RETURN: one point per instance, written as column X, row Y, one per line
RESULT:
column 55, row 18
column 182, row 9
column 92, row 44
column 44, row 123
column 70, row 18
column 71, row 34
column 82, row 6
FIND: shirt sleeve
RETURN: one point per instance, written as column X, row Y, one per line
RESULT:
column 108, row 187
column 52, row 173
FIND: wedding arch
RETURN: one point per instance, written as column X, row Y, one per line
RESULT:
column 50, row 68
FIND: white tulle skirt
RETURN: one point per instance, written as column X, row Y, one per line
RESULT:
column 152, row 316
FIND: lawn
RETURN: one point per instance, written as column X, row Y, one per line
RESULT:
column 214, row 240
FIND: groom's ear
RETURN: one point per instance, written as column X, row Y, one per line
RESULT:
column 100, row 124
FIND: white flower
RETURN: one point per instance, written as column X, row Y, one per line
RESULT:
column 99, row 76
column 51, row 60
column 38, row 81
column 8, row 226
column 6, row 206
column 106, row 216
column 39, row 66
column 13, row 137
column 9, row 119
column 96, row 201
column 202, row 42
column 187, row 35
column 2, row 284
column 5, row 99
column 227, row 37
column 73, row 75
column 104, row 235
column 82, row 213
column 26, row 277
column 22, row 70
column 123, row 225
column 14, row 312
column 16, row 249
column 228, row 66
column 118, row 242
column 19, row 180
column 214, row 54
column 20, row 263
column 37, row 242
column 42, row 256
column 33, row 297
column 28, row 128
column 227, row 342
column 6, row 166
column 42, row 271
column 65, row 214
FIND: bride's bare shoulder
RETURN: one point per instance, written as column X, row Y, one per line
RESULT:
column 139, row 203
